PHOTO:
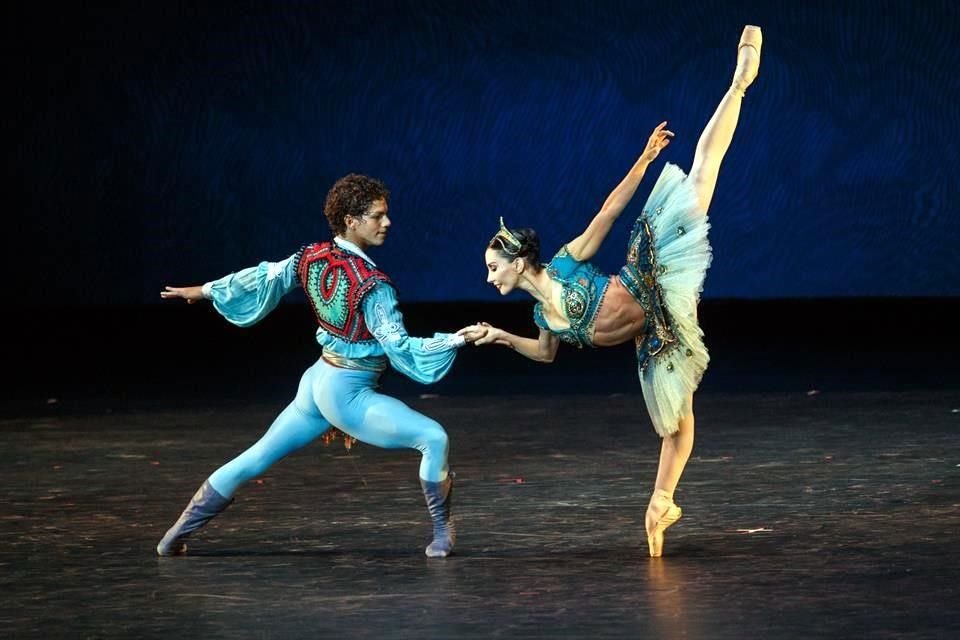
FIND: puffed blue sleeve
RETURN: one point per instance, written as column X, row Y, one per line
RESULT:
column 247, row 296
column 425, row 360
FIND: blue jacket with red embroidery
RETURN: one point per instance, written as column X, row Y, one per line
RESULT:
column 355, row 305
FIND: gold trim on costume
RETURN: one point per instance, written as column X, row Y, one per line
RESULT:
column 510, row 243
column 372, row 363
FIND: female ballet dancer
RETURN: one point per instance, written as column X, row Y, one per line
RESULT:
column 652, row 300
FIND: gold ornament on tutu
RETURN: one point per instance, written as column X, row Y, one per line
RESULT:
column 511, row 245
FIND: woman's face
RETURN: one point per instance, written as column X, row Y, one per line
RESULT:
column 502, row 272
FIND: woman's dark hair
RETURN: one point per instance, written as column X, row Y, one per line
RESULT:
column 529, row 248
column 352, row 195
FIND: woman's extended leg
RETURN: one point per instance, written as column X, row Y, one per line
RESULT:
column 717, row 135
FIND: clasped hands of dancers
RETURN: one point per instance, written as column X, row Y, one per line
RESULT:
column 652, row 301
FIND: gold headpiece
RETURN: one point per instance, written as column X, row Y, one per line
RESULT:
column 511, row 245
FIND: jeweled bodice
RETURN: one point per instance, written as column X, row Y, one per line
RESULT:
column 582, row 288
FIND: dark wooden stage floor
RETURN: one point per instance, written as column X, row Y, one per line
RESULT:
column 831, row 515
column 822, row 500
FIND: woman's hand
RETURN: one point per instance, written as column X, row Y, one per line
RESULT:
column 190, row 294
column 659, row 139
column 492, row 336
column 472, row 333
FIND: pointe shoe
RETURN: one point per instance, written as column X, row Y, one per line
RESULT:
column 657, row 524
column 748, row 59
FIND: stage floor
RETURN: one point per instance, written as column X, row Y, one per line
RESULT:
column 805, row 515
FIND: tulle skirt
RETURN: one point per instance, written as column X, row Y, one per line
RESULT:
column 667, row 260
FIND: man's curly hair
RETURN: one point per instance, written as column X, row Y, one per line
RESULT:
column 352, row 195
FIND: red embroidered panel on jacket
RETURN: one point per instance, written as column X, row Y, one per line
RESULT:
column 336, row 282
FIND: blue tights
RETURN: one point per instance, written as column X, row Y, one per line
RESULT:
column 344, row 398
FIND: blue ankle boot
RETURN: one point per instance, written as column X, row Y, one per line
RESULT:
column 439, row 496
column 205, row 504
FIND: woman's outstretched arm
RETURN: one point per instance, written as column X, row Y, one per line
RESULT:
column 541, row 349
column 586, row 245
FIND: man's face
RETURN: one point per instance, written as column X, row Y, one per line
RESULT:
column 370, row 229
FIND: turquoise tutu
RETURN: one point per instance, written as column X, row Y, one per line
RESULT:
column 667, row 260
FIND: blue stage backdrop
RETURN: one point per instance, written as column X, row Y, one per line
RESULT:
column 165, row 143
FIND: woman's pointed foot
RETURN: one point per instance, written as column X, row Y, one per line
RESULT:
column 748, row 59
column 661, row 514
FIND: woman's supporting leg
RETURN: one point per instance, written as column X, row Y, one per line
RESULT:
column 674, row 453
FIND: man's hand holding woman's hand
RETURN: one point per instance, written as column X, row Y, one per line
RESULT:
column 483, row 333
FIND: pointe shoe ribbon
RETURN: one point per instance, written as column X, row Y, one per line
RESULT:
column 655, row 530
